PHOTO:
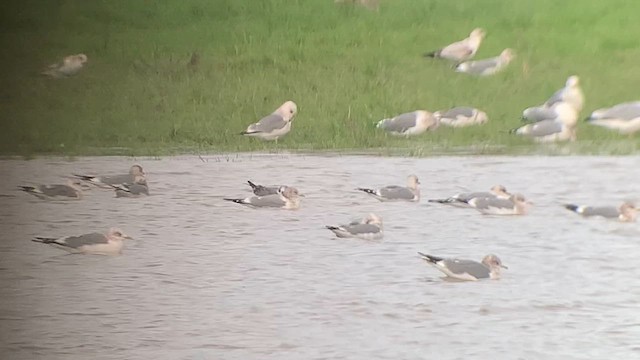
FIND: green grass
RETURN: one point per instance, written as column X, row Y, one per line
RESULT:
column 346, row 67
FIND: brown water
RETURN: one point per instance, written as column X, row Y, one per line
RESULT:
column 209, row 279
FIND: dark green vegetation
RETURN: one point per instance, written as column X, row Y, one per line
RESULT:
column 346, row 67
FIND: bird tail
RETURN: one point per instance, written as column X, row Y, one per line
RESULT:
column 332, row 227
column 442, row 201
column 382, row 123
column 44, row 240
column 431, row 54
column 237, row 201
column 588, row 119
column 571, row 207
column 368, row 191
column 253, row 185
column 429, row 258
column 29, row 189
column 84, row 177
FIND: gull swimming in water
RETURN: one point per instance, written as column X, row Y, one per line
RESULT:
column 516, row 204
column 461, row 116
column 70, row 65
column 571, row 93
column 71, row 190
column 625, row 117
column 94, row 243
column 487, row 66
column 138, row 188
column 369, row 228
column 397, row 193
column 287, row 198
column 462, row 50
column 412, row 123
column 274, row 126
column 626, row 212
column 468, row 270
column 461, row 199
column 107, row 181
column 560, row 128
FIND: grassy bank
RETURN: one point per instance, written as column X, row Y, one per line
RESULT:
column 346, row 67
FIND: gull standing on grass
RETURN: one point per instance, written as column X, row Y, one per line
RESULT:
column 487, row 66
column 623, row 117
column 107, row 181
column 70, row 65
column 468, row 270
column 571, row 93
column 561, row 127
column 71, row 190
column 138, row 188
column 274, row 126
column 461, row 199
column 287, row 198
column 516, row 204
column 462, row 50
column 412, row 123
column 94, row 243
column 461, row 116
column 627, row 212
column 397, row 193
column 369, row 228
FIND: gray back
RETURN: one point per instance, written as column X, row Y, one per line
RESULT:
column 58, row 190
column 359, row 229
column 479, row 67
column 270, row 123
column 604, row 211
column 87, row 239
column 485, row 203
column 267, row 201
column 627, row 111
column 545, row 127
column 400, row 123
column 458, row 111
column 397, row 192
column 470, row 267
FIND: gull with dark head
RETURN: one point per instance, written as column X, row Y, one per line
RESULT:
column 469, row 270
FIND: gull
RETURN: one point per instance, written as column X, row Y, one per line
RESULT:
column 487, row 66
column 273, row 126
column 108, row 181
column 623, row 117
column 461, row 116
column 571, row 93
column 468, row 270
column 261, row 190
column 516, row 204
column 369, row 228
column 461, row 199
column 94, row 243
column 395, row 193
column 560, row 128
column 70, row 65
column 71, row 190
column 626, row 212
column 412, row 123
column 462, row 50
column 138, row 188
column 286, row 198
